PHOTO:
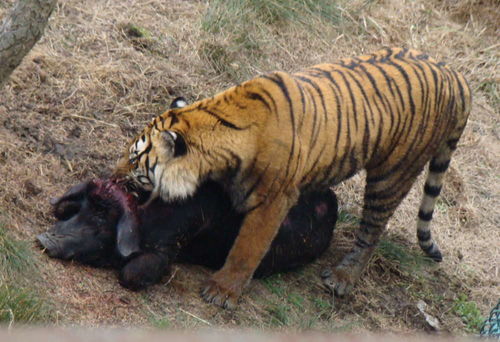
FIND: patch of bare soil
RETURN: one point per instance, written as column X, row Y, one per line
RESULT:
column 88, row 86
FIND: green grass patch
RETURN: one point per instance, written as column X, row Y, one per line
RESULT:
column 160, row 322
column 228, row 60
column 469, row 313
column 221, row 58
column 143, row 40
column 275, row 285
column 323, row 309
column 15, row 255
column 287, row 306
column 247, row 30
column 279, row 313
column 22, row 305
column 296, row 300
column 136, row 31
column 222, row 14
column 20, row 301
column 492, row 90
column 409, row 260
column 346, row 217
column 322, row 305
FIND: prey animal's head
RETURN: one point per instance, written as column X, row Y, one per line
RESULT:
column 97, row 224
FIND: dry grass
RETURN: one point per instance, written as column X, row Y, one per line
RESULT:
column 89, row 85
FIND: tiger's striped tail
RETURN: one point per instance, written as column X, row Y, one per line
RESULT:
column 432, row 188
column 461, row 108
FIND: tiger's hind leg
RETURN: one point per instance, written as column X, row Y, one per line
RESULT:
column 383, row 194
column 432, row 188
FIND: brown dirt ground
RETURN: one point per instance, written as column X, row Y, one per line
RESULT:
column 86, row 88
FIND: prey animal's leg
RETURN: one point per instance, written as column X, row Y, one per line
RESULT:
column 259, row 228
column 382, row 197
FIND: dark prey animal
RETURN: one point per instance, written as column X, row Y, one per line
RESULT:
column 93, row 216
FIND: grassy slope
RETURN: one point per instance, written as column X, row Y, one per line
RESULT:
column 95, row 78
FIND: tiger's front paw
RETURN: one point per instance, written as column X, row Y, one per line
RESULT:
column 222, row 291
column 338, row 281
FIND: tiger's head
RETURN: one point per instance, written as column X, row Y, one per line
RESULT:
column 142, row 165
column 215, row 138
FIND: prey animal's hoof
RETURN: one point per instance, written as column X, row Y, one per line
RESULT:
column 337, row 281
column 215, row 294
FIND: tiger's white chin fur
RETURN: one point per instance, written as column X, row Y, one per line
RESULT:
column 173, row 183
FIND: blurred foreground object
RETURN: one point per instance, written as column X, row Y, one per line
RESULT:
column 98, row 335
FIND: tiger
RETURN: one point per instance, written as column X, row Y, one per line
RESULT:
column 280, row 134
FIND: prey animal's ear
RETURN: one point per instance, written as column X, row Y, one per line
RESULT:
column 74, row 193
column 127, row 235
column 178, row 102
column 70, row 203
column 173, row 142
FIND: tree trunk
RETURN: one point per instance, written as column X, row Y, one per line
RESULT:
column 20, row 30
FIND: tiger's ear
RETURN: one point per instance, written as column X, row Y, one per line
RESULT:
column 178, row 102
column 174, row 142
